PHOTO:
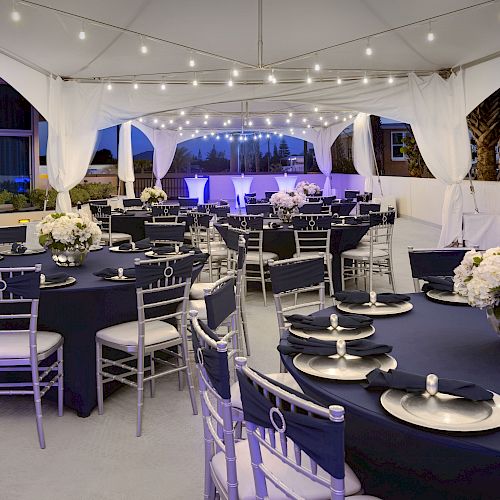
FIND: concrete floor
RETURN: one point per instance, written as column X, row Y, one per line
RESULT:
column 100, row 458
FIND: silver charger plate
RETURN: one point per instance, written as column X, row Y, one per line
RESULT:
column 68, row 282
column 95, row 248
column 346, row 367
column 117, row 278
column 447, row 297
column 135, row 250
column 378, row 309
column 443, row 412
column 28, row 252
column 152, row 255
column 334, row 335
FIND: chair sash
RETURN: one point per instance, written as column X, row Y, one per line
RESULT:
column 435, row 262
column 297, row 274
column 366, row 208
column 167, row 232
column 259, row 209
column 170, row 271
column 132, row 202
column 220, row 303
column 13, row 234
column 382, row 218
column 254, row 223
column 25, row 285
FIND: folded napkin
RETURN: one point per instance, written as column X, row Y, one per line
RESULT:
column 141, row 244
column 352, row 221
column 119, row 210
column 322, row 322
column 109, row 272
column 168, row 249
column 410, row 382
column 360, row 297
column 275, row 225
column 295, row 345
column 56, row 278
column 442, row 283
column 18, row 248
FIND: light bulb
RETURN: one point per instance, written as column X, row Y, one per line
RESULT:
column 144, row 47
column 290, row 114
column 250, row 123
column 308, row 125
column 326, row 124
column 155, row 120
column 320, row 118
column 260, row 136
column 15, row 15
column 192, row 62
column 204, row 137
column 82, row 35
column 254, row 137
column 195, row 83
column 236, row 72
column 163, row 86
column 171, row 121
column 196, row 131
column 135, row 85
column 230, row 83
column 192, row 135
column 162, row 125
column 141, row 119
column 205, row 122
column 339, row 80
column 267, row 136
column 231, row 138
column 390, row 79
column 316, row 109
column 304, row 120
column 365, row 79
column 430, row 36
column 180, row 133
column 179, row 128
column 229, row 122
column 212, row 133
column 344, row 119
column 182, row 112
column 288, row 120
column 187, row 122
column 224, row 124
column 270, row 77
column 368, row 51
column 317, row 67
column 217, row 137
column 303, row 131
column 206, row 117
column 309, row 80
column 336, row 117
column 109, row 86
column 350, row 117
column 226, row 136
column 273, row 81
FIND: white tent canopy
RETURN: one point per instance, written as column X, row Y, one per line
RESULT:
column 45, row 43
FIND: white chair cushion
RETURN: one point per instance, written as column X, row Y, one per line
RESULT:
column 126, row 334
column 197, row 291
column 17, row 345
column 197, row 305
column 364, row 253
column 299, row 483
column 115, row 237
column 308, row 255
column 282, row 378
column 253, row 257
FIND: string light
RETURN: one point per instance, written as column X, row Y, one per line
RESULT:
column 156, row 121
column 390, row 79
column 187, row 122
column 171, row 121
column 162, row 125
column 82, row 35
column 163, row 86
column 230, row 82
column 260, row 136
column 304, row 120
column 141, row 119
column 308, row 125
column 430, row 34
column 344, row 119
column 135, row 85
column 309, row 80
column 336, row 117
column 368, row 50
column 325, row 124
column 224, row 124
column 339, row 80
column 350, row 117
column 217, row 137
column 229, row 122
column 316, row 109
column 182, row 112
column 226, row 136
column 205, row 122
column 288, row 120
column 267, row 136
column 180, row 133
column 195, row 81
column 231, row 139
column 317, row 66
column 196, row 131
column 192, row 62
column 144, row 47
column 290, row 114
column 320, row 118
column 206, row 117
column 303, row 131
column 15, row 15
column 109, row 86
column 250, row 123
column 365, row 79
column 236, row 72
column 179, row 128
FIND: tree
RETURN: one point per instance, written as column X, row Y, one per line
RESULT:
column 103, row 157
column 416, row 164
column 484, row 123
column 212, row 155
column 199, row 157
column 181, row 161
column 284, row 150
column 378, row 141
column 275, row 158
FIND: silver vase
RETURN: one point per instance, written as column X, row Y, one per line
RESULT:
column 71, row 257
column 493, row 315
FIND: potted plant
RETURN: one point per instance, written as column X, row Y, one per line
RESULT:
column 152, row 195
column 286, row 203
column 308, row 188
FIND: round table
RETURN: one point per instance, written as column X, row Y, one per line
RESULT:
column 77, row 312
column 396, row 460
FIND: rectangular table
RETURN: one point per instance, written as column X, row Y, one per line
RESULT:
column 481, row 229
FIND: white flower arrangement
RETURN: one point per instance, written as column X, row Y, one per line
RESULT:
column 153, row 195
column 478, row 278
column 308, row 188
column 287, row 200
column 63, row 231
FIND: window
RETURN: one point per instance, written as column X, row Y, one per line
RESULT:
column 396, row 145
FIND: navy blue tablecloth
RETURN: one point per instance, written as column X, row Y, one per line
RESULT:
column 78, row 312
column 396, row 460
column 131, row 223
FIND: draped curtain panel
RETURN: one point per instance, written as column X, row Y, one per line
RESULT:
column 362, row 149
column 126, row 159
column 440, row 128
column 165, row 144
column 72, row 133
column 322, row 140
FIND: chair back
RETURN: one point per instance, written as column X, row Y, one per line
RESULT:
column 13, row 234
column 188, row 202
column 263, row 209
column 276, row 419
column 206, row 208
column 220, row 211
column 102, row 214
column 315, row 199
column 366, row 208
column 165, row 232
column 166, row 218
column 100, row 209
column 312, row 233
column 350, row 194
column 311, row 207
column 252, row 223
column 342, row 208
column 250, row 198
column 328, row 200
column 295, row 277
column 211, row 357
column 132, row 202
column 19, row 298
column 98, row 202
column 221, row 302
column 164, row 210
column 434, row 262
column 268, row 194
column 364, row 197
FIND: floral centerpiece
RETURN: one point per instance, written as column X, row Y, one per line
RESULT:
column 69, row 236
column 478, row 279
column 286, row 203
column 308, row 188
column 153, row 195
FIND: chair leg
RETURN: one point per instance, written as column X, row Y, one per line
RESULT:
column 60, row 382
column 342, row 277
column 210, row 268
column 38, row 404
column 180, row 375
column 244, row 325
column 192, row 393
column 152, row 382
column 391, row 275
column 263, row 282
column 140, row 392
column 330, row 276
column 98, row 363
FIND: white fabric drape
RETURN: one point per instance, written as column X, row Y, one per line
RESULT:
column 72, row 127
column 362, row 149
column 126, row 159
column 322, row 140
column 165, row 144
column 440, row 128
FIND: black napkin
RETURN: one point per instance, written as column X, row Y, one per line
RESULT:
column 410, row 382
column 109, row 272
column 353, row 221
column 295, row 345
column 141, row 244
column 167, row 249
column 275, row 225
column 56, row 278
column 119, row 210
column 360, row 297
column 18, row 248
column 322, row 322
column 442, row 283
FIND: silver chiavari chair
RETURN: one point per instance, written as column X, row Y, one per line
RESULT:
column 264, row 209
column 376, row 256
column 165, row 233
column 434, row 262
column 22, row 347
column 165, row 213
column 286, row 461
column 162, row 288
column 134, row 203
column 12, row 234
column 102, row 214
column 312, row 237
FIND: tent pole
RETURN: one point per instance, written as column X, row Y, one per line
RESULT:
column 260, row 43
column 473, row 193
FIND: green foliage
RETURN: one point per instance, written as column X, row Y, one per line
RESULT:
column 19, row 201
column 344, row 166
column 97, row 190
column 79, row 195
column 37, row 197
column 416, row 164
column 5, row 197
